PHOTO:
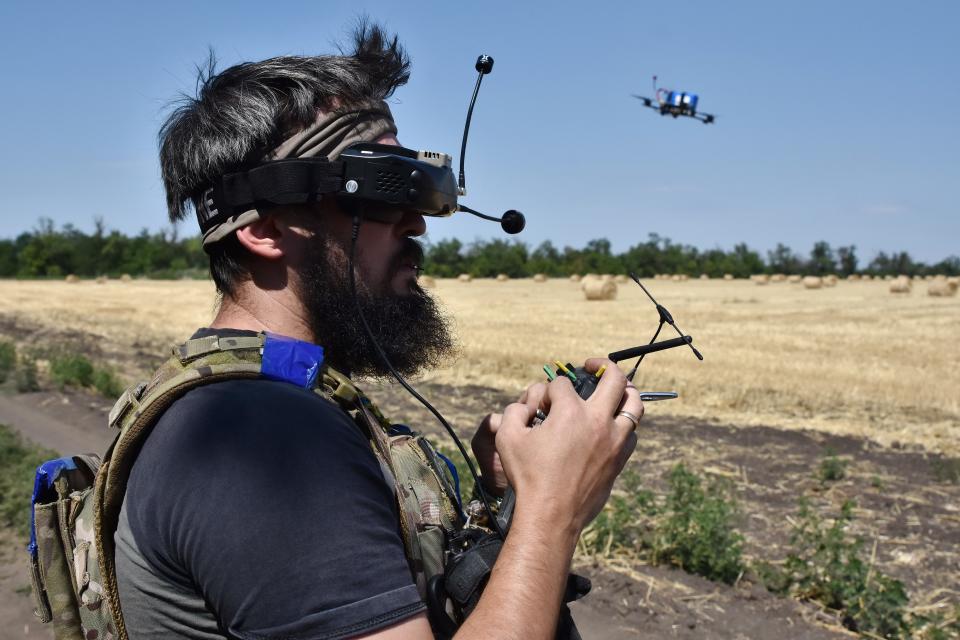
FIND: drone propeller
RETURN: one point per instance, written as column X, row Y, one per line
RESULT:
column 647, row 102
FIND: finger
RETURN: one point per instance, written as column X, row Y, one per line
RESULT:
column 629, row 446
column 534, row 395
column 516, row 415
column 612, row 383
column 633, row 405
column 560, row 391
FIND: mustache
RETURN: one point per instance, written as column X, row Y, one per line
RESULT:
column 410, row 252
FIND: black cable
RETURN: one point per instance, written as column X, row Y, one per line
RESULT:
column 466, row 129
column 640, row 359
column 410, row 389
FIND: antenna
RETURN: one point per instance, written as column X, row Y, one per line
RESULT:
column 484, row 66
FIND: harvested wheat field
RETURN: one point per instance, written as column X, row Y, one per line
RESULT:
column 849, row 360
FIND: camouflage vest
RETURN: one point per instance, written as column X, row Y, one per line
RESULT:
column 72, row 560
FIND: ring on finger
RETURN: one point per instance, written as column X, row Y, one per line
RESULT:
column 631, row 417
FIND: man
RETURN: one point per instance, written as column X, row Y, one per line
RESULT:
column 256, row 508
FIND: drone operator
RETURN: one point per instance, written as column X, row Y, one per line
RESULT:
column 257, row 506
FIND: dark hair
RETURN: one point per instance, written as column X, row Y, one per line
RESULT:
column 244, row 111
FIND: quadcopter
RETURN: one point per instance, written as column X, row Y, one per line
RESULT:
column 675, row 103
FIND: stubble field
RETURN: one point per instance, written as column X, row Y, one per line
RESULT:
column 848, row 360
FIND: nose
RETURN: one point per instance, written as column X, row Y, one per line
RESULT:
column 411, row 224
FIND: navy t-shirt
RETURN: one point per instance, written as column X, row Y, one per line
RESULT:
column 257, row 509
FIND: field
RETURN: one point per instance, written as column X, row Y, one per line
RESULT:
column 849, row 360
column 844, row 393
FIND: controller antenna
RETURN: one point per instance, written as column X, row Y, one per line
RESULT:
column 484, row 66
column 665, row 318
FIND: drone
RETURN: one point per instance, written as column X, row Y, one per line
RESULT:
column 675, row 103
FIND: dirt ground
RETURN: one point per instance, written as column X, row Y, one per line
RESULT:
column 914, row 518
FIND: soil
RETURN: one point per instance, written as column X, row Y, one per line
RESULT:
column 904, row 506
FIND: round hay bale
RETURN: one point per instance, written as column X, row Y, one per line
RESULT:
column 830, row 280
column 606, row 276
column 126, row 277
column 954, row 279
column 539, row 277
column 728, row 276
column 704, row 276
column 853, row 277
column 426, row 282
column 502, row 277
column 778, row 277
column 101, row 279
column 866, row 277
column 901, row 285
column 942, row 289
column 464, row 277
column 795, row 278
column 597, row 289
column 620, row 279
column 675, row 277
column 73, row 278
column 575, row 277
column 813, row 282
column 760, row 278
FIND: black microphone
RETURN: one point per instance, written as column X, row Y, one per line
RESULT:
column 511, row 222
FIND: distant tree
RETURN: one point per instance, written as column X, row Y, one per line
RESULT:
column 847, row 259
column 783, row 260
column 821, row 261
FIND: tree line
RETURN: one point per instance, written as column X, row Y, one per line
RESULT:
column 47, row 252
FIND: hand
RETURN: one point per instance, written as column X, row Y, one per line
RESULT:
column 564, row 469
column 484, row 442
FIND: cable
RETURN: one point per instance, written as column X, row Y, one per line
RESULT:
column 383, row 356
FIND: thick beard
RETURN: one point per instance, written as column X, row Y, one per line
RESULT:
column 408, row 327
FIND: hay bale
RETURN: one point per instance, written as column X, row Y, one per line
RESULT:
column 902, row 284
column 728, row 276
column 830, row 280
column 704, row 276
column 539, row 277
column 778, row 277
column 101, row 279
column 464, row 277
column 795, row 278
column 502, row 277
column 72, row 278
column 853, row 277
column 888, row 277
column 620, row 279
column 760, row 278
column 597, row 289
column 426, row 282
column 126, row 277
column 942, row 289
column 866, row 277
column 575, row 277
column 954, row 279
column 813, row 282
column 607, row 276
column 675, row 277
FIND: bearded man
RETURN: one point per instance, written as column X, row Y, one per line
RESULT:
column 259, row 507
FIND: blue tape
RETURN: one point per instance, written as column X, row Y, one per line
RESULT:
column 290, row 360
column 456, row 482
column 47, row 474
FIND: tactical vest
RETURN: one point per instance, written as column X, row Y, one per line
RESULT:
column 77, row 500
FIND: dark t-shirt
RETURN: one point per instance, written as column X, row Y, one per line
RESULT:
column 257, row 510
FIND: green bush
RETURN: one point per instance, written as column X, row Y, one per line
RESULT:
column 832, row 468
column 8, row 359
column 18, row 463
column 696, row 530
column 106, row 383
column 624, row 524
column 71, row 370
column 827, row 566
column 25, row 376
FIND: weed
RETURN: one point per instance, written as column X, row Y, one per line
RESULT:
column 18, row 462
column 623, row 526
column 827, row 566
column 71, row 370
column 876, row 483
column 946, row 469
column 696, row 529
column 832, row 468
column 25, row 375
column 106, row 383
column 8, row 359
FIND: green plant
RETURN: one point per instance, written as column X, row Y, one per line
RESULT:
column 71, row 370
column 832, row 468
column 106, row 383
column 946, row 469
column 622, row 526
column 25, row 375
column 8, row 359
column 826, row 565
column 696, row 529
column 18, row 462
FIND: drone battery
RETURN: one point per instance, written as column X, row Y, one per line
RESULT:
column 675, row 99
column 690, row 101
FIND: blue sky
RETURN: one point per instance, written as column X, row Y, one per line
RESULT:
column 836, row 120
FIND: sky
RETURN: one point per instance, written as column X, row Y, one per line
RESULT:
column 836, row 121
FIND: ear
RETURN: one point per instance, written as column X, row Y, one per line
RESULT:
column 263, row 238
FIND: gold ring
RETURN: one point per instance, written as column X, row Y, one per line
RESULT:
column 632, row 418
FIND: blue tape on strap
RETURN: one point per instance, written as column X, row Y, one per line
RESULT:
column 290, row 360
column 44, row 492
column 456, row 482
